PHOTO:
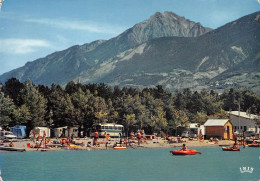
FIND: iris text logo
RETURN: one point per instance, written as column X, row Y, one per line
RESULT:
column 246, row 169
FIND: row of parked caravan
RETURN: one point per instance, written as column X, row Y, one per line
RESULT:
column 19, row 131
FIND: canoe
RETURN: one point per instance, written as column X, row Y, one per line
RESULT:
column 12, row 149
column 230, row 149
column 54, row 145
column 119, row 147
column 254, row 145
column 225, row 145
column 75, row 146
column 186, row 152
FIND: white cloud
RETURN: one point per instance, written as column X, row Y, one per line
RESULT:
column 79, row 25
column 22, row 46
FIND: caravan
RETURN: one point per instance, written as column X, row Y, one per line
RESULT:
column 65, row 131
column 40, row 131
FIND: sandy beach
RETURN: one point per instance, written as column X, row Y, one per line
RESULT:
column 81, row 144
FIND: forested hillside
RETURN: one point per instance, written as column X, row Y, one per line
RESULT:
column 151, row 109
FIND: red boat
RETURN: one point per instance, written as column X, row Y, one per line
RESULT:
column 186, row 152
column 230, row 149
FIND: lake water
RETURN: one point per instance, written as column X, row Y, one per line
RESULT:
column 130, row 164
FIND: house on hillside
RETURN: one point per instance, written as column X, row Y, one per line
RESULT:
column 219, row 128
column 242, row 121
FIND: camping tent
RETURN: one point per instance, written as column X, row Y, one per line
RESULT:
column 19, row 131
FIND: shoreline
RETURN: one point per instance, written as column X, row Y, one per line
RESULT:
column 148, row 144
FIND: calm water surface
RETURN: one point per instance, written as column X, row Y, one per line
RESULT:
column 131, row 164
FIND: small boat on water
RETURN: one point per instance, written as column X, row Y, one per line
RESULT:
column 119, row 147
column 224, row 145
column 75, row 146
column 12, row 149
column 185, row 152
column 55, row 145
column 254, row 145
column 230, row 149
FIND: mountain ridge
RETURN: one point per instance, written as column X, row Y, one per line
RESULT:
column 192, row 58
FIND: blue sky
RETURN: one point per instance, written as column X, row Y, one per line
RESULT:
column 31, row 29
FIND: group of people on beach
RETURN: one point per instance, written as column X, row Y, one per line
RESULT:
column 173, row 140
column 11, row 144
column 68, row 140
column 214, row 140
column 140, row 137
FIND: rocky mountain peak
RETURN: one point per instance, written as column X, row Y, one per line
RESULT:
column 166, row 14
column 165, row 24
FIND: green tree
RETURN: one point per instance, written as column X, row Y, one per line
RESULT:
column 80, row 101
column 200, row 118
column 222, row 114
column 113, row 115
column 61, row 105
column 158, row 120
column 22, row 116
column 210, row 102
column 12, row 89
column 71, row 87
column 179, row 100
column 97, row 111
column 36, row 104
column 181, row 118
column 7, row 108
column 129, row 122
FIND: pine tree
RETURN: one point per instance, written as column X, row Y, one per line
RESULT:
column 36, row 104
column 7, row 108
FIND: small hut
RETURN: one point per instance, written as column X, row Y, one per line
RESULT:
column 219, row 128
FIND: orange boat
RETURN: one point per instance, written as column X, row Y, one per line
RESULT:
column 186, row 152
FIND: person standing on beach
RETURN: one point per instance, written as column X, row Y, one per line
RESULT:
column 105, row 135
column 132, row 135
column 125, row 142
column 139, row 137
column 95, row 138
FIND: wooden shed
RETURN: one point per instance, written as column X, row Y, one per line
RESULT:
column 220, row 128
